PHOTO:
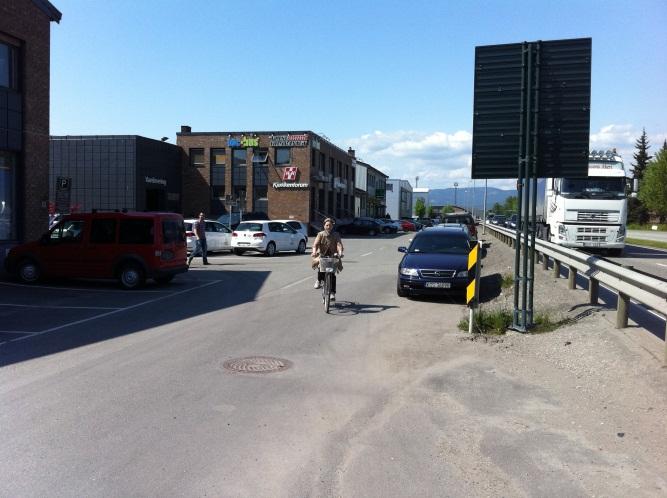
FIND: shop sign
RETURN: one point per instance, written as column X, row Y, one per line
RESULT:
column 249, row 142
column 290, row 172
column 288, row 185
column 233, row 142
column 289, row 176
column 293, row 140
column 157, row 181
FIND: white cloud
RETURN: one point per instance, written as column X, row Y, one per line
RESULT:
column 439, row 158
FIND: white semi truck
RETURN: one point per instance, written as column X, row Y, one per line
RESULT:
column 587, row 212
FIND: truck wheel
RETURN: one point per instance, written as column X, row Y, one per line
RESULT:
column 616, row 253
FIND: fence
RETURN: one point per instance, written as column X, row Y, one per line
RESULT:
column 625, row 282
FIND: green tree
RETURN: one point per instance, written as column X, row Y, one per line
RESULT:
column 447, row 209
column 511, row 205
column 420, row 208
column 637, row 212
column 431, row 212
column 653, row 190
column 664, row 146
column 497, row 208
column 641, row 157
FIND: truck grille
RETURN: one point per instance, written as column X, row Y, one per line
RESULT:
column 591, row 238
column 599, row 216
column 602, row 230
column 437, row 273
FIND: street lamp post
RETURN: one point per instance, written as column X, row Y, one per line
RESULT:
column 456, row 185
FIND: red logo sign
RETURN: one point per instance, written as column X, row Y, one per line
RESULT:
column 290, row 173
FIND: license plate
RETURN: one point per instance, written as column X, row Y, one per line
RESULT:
column 438, row 285
column 592, row 244
column 244, row 243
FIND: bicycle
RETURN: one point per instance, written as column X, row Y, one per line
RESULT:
column 328, row 267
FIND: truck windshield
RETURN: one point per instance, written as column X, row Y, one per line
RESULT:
column 594, row 188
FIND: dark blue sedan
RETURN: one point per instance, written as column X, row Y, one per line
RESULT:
column 436, row 262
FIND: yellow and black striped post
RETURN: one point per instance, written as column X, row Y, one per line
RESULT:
column 472, row 291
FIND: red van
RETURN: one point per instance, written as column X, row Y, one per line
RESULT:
column 130, row 247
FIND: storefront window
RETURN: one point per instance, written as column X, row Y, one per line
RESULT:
column 218, row 173
column 8, row 66
column 7, row 212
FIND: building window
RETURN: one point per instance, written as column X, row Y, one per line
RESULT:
column 9, row 70
column 7, row 204
column 218, row 159
column 283, row 156
column 197, row 158
column 239, row 175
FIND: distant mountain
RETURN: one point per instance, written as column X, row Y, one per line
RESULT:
column 469, row 197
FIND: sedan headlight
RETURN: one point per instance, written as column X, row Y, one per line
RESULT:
column 462, row 274
column 410, row 272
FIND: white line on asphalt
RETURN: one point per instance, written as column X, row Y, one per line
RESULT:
column 296, row 283
column 58, row 307
column 39, row 287
column 115, row 311
column 660, row 264
column 367, row 254
column 15, row 332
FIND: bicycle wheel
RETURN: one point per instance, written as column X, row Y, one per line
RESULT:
column 327, row 291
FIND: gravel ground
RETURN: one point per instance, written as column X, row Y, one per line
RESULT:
column 612, row 381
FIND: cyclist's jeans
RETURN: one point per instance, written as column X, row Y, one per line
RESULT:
column 320, row 277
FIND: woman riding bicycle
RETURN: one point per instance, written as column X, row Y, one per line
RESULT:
column 327, row 243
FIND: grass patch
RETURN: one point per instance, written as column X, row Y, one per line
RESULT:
column 507, row 281
column 497, row 322
column 647, row 243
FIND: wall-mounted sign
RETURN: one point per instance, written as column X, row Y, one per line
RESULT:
column 300, row 140
column 63, row 190
column 289, row 185
column 249, row 142
column 157, row 181
column 290, row 173
column 233, row 142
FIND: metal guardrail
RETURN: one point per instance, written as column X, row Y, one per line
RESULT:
column 627, row 283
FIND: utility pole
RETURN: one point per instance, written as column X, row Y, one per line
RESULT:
column 456, row 185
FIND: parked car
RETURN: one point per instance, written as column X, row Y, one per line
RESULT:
column 218, row 236
column 388, row 226
column 408, row 225
column 425, row 222
column 461, row 226
column 268, row 237
column 465, row 218
column 130, row 247
column 436, row 262
column 361, row 226
column 499, row 220
column 511, row 223
column 297, row 225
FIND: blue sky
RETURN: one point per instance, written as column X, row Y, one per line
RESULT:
column 393, row 80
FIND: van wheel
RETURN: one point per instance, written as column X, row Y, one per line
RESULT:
column 238, row 252
column 164, row 280
column 28, row 271
column 372, row 233
column 131, row 276
column 302, row 247
column 270, row 249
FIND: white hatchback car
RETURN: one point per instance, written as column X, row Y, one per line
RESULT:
column 218, row 236
column 297, row 225
column 268, row 237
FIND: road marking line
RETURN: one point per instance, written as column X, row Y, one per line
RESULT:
column 15, row 332
column 115, row 311
column 296, row 283
column 367, row 254
column 660, row 264
column 58, row 307
column 39, row 287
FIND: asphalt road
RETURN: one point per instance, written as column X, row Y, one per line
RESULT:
column 648, row 235
column 113, row 393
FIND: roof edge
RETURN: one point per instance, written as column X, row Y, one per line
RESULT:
column 48, row 8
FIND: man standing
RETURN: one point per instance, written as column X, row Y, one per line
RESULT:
column 199, row 229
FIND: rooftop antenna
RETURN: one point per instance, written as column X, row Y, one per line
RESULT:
column 416, row 181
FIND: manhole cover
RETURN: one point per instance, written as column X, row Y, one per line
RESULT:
column 257, row 364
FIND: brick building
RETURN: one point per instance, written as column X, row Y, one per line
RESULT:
column 283, row 174
column 25, row 45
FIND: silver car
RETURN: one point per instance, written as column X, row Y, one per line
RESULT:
column 218, row 236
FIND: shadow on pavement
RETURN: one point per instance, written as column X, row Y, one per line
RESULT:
column 352, row 308
column 65, row 318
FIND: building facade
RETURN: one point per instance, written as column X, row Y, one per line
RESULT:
column 114, row 172
column 25, row 45
column 399, row 199
column 279, row 174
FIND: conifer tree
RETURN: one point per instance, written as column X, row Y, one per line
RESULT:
column 641, row 156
